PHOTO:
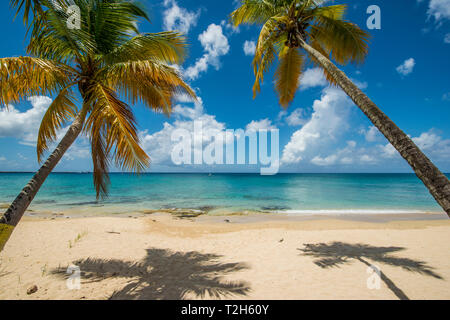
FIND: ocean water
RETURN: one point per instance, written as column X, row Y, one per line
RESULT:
column 227, row 193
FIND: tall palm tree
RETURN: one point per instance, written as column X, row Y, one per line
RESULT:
column 294, row 30
column 105, row 59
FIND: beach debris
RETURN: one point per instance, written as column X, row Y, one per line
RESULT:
column 112, row 232
column 227, row 221
column 179, row 212
column 32, row 289
column 274, row 209
column 281, row 240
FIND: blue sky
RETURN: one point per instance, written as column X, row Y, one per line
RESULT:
column 406, row 74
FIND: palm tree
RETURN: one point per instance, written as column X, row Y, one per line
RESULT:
column 105, row 59
column 295, row 30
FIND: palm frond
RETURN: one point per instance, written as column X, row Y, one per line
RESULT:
column 264, row 53
column 335, row 12
column 254, row 12
column 287, row 75
column 61, row 110
column 345, row 40
column 21, row 77
column 169, row 47
column 29, row 7
column 52, row 38
column 151, row 82
column 112, row 128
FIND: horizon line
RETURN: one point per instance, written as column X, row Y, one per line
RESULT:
column 212, row 172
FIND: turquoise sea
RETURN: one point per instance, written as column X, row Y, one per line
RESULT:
column 226, row 193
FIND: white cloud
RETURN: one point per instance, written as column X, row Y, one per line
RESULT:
column 158, row 145
column 388, row 151
column 406, row 67
column 367, row 158
column 318, row 161
column 346, row 161
column 371, row 134
column 229, row 27
column 327, row 123
column 215, row 45
column 249, row 48
column 264, row 124
column 312, row 77
column 176, row 18
column 346, row 156
column 433, row 145
column 297, row 118
column 427, row 140
column 447, row 38
column 439, row 9
column 24, row 125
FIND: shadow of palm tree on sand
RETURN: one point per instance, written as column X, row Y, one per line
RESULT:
column 337, row 253
column 165, row 275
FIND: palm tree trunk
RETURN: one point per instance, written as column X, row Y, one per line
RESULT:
column 12, row 216
column 436, row 182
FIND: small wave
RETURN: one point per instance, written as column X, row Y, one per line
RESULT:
column 275, row 208
column 88, row 203
column 44, row 201
column 352, row 211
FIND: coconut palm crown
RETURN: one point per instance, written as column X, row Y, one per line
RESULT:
column 284, row 21
column 105, row 60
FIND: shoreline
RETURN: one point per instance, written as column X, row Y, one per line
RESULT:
column 162, row 257
column 247, row 216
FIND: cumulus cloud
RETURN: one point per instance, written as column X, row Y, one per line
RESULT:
column 312, row 77
column 371, row 134
column 431, row 143
column 349, row 155
column 297, row 117
column 215, row 44
column 177, row 18
column 264, row 124
column 318, row 161
column 159, row 145
column 24, row 125
column 327, row 123
column 439, row 9
column 367, row 158
column 406, row 67
column 249, row 48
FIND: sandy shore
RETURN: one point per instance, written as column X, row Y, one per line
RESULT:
column 159, row 257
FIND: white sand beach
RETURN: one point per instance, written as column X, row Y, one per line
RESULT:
column 159, row 257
